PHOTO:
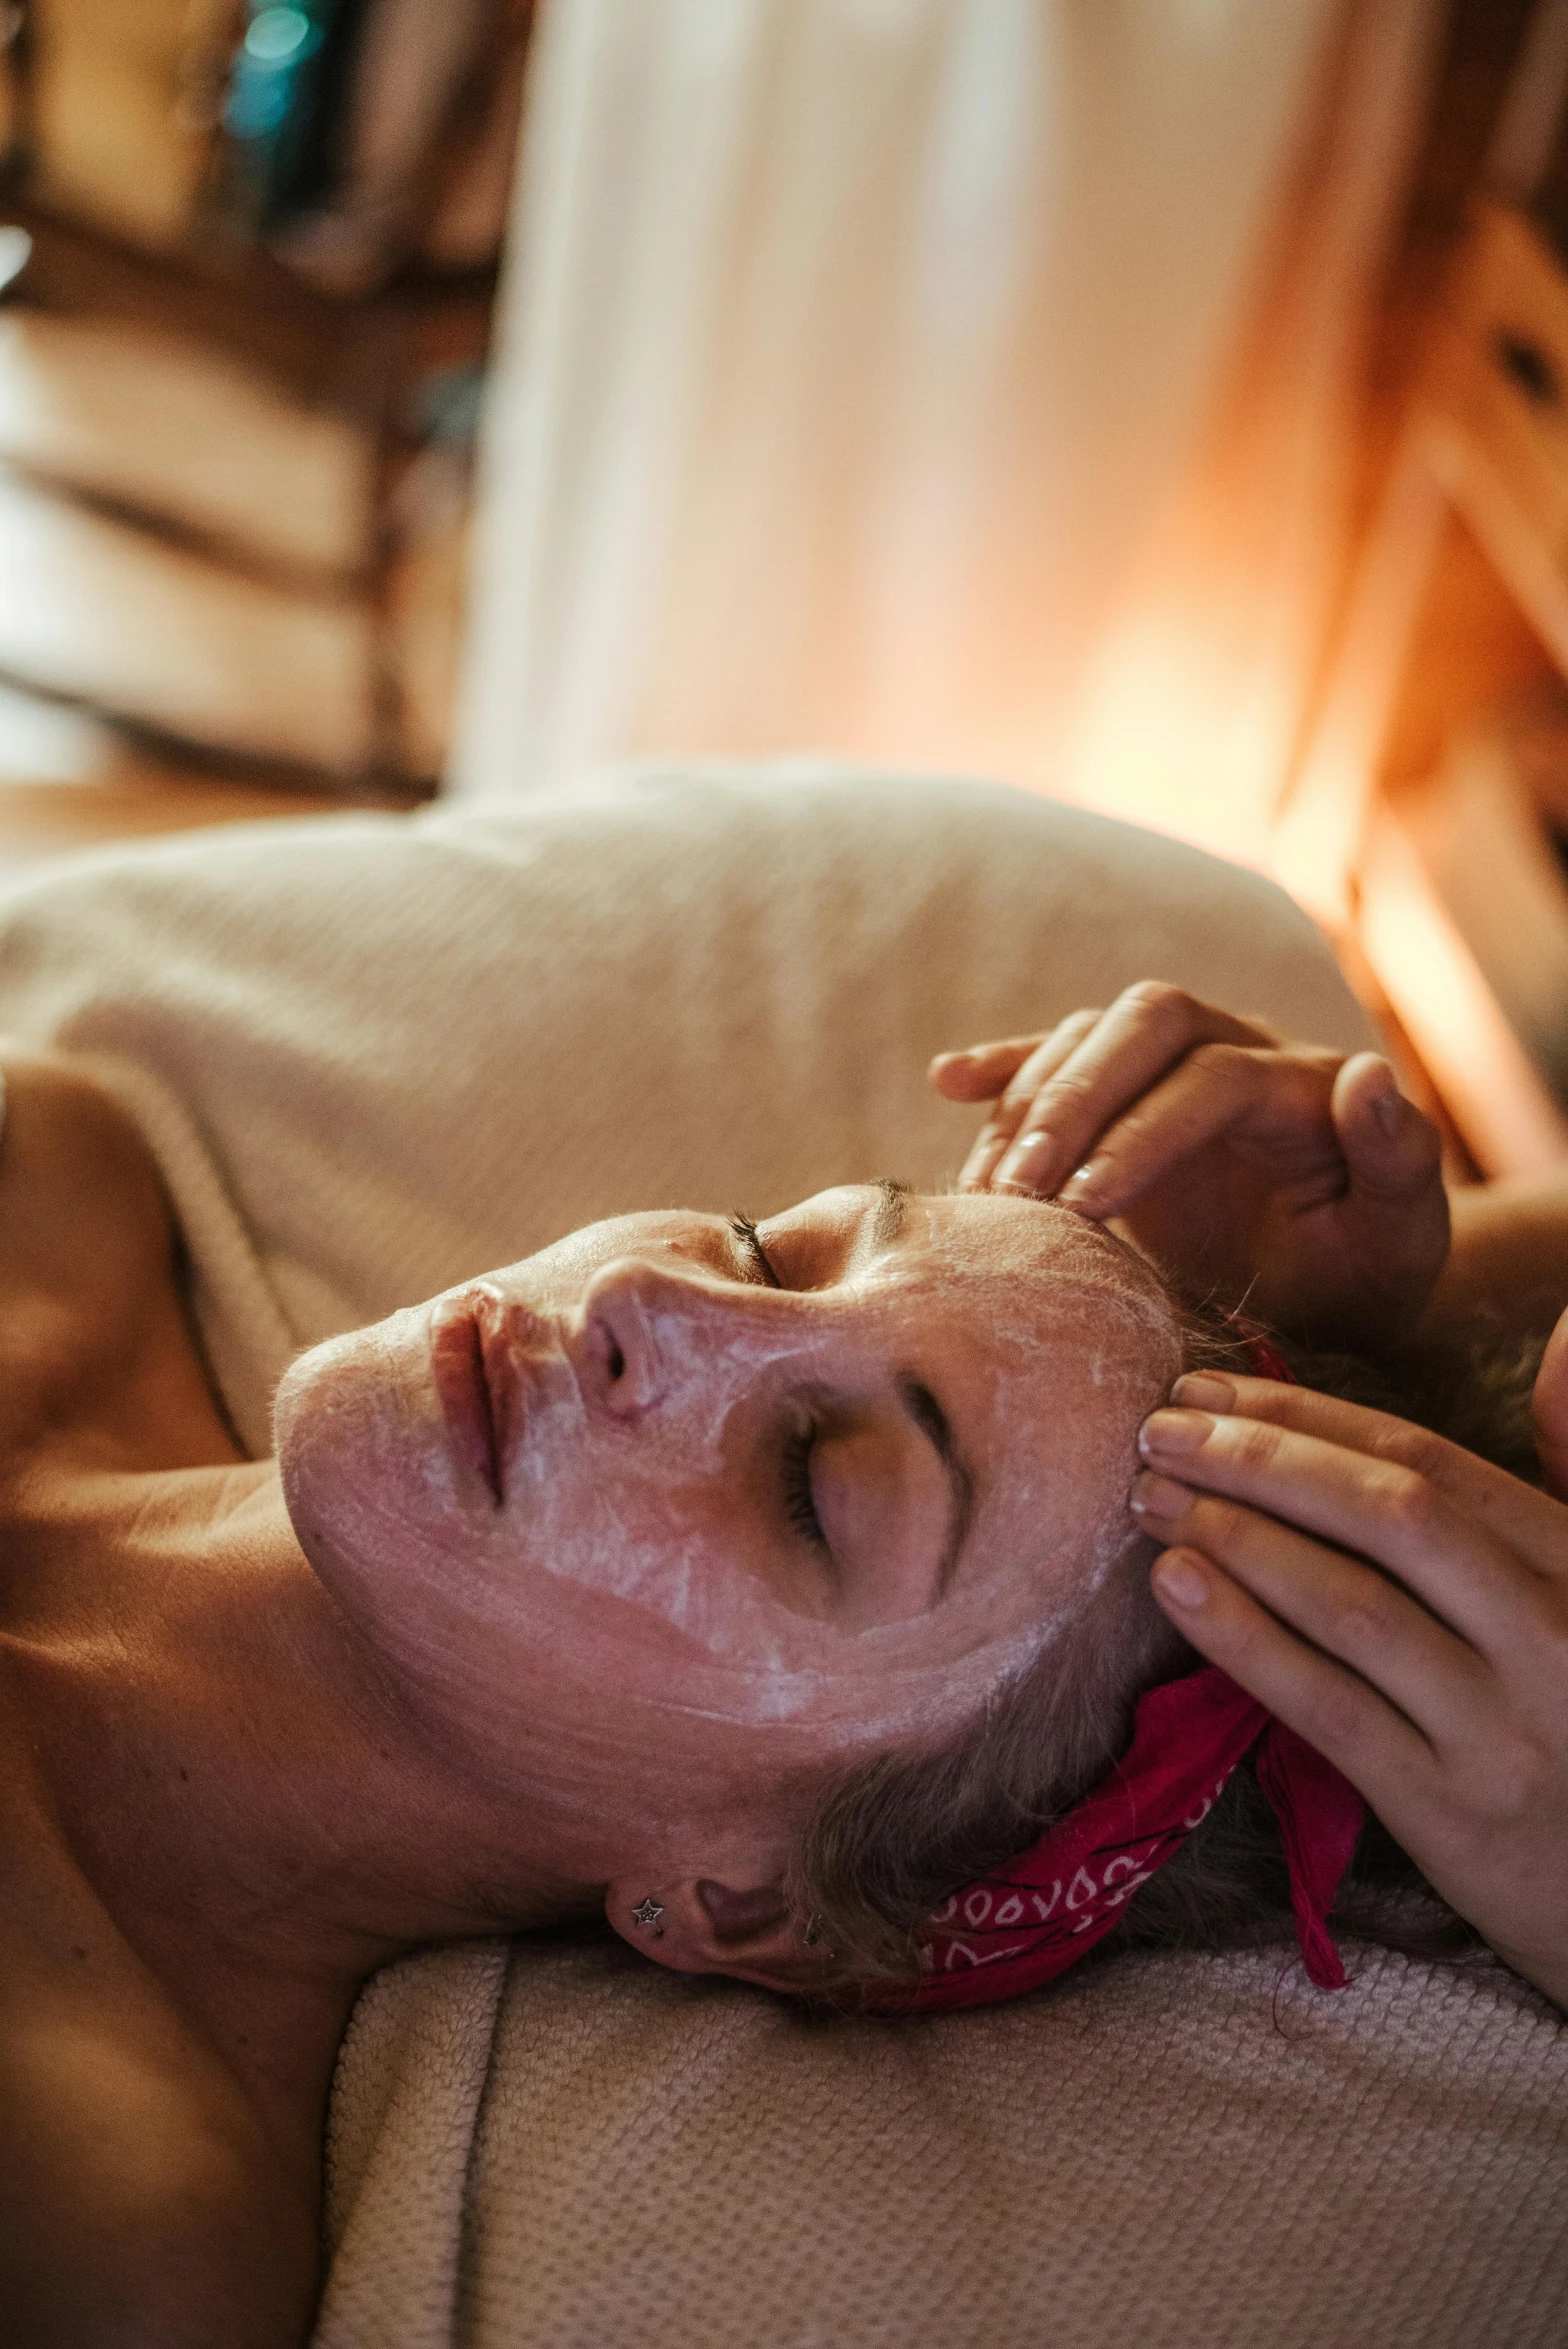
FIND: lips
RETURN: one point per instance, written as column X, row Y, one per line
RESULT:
column 472, row 1375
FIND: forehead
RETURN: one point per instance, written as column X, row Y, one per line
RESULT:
column 1048, row 1341
column 1035, row 1323
column 937, row 1239
column 1035, row 1239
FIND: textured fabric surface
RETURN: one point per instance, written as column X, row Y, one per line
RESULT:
column 376, row 1056
column 1138, row 2155
column 418, row 2052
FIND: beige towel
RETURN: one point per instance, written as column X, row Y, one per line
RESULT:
column 1138, row 2159
column 376, row 1055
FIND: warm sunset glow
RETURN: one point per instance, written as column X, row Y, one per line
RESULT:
column 1178, row 735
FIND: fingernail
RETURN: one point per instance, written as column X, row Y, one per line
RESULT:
column 980, row 1164
column 1388, row 1108
column 1027, row 1160
column 1177, row 1578
column 1079, row 1185
column 1175, row 1431
column 1204, row 1390
column 1158, row 1496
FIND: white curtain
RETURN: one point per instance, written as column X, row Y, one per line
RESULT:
column 850, row 353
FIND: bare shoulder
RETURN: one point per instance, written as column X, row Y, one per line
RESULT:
column 140, row 2202
column 93, row 1323
column 75, row 1177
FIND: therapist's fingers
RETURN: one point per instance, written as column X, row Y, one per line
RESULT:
column 1530, row 1523
column 981, row 1071
column 1329, row 1129
column 1345, row 1609
column 1392, row 1515
column 1277, row 1104
column 1147, row 1030
column 992, row 1142
column 1477, row 1793
column 1324, row 1701
column 1395, row 1211
column 1392, row 1153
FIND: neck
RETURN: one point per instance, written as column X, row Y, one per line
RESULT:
column 236, row 1773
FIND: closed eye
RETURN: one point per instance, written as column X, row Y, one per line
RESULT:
column 799, row 1503
column 745, row 1232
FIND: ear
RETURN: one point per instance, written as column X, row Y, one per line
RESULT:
column 698, row 1925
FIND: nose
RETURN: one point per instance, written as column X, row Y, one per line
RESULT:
column 639, row 1321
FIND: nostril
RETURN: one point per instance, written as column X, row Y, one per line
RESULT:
column 621, row 1335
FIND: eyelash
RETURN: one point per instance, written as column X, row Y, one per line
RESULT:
column 799, row 1507
column 746, row 1232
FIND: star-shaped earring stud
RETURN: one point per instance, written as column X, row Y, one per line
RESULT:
column 648, row 1912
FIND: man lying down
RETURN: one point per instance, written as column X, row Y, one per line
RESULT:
column 895, row 1602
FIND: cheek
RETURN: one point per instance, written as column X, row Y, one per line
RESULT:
column 657, row 1519
column 651, row 1520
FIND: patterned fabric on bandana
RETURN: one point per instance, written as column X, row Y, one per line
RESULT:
column 1016, row 1930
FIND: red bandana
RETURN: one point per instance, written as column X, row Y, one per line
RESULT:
column 1043, row 1911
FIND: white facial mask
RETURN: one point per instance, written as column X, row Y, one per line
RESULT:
column 707, row 1369
column 634, row 1538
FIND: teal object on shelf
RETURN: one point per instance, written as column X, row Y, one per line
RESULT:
column 286, row 89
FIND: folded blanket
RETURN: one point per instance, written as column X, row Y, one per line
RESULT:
column 377, row 1055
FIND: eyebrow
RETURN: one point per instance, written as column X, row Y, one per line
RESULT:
column 892, row 1211
column 933, row 1422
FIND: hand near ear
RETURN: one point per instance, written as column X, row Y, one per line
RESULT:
column 1401, row 1604
column 698, row 1925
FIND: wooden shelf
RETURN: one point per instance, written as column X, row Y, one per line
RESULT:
column 1414, row 828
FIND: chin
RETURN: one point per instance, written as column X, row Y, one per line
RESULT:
column 362, row 1471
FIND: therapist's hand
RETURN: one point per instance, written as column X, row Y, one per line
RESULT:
column 1401, row 1604
column 1255, row 1170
